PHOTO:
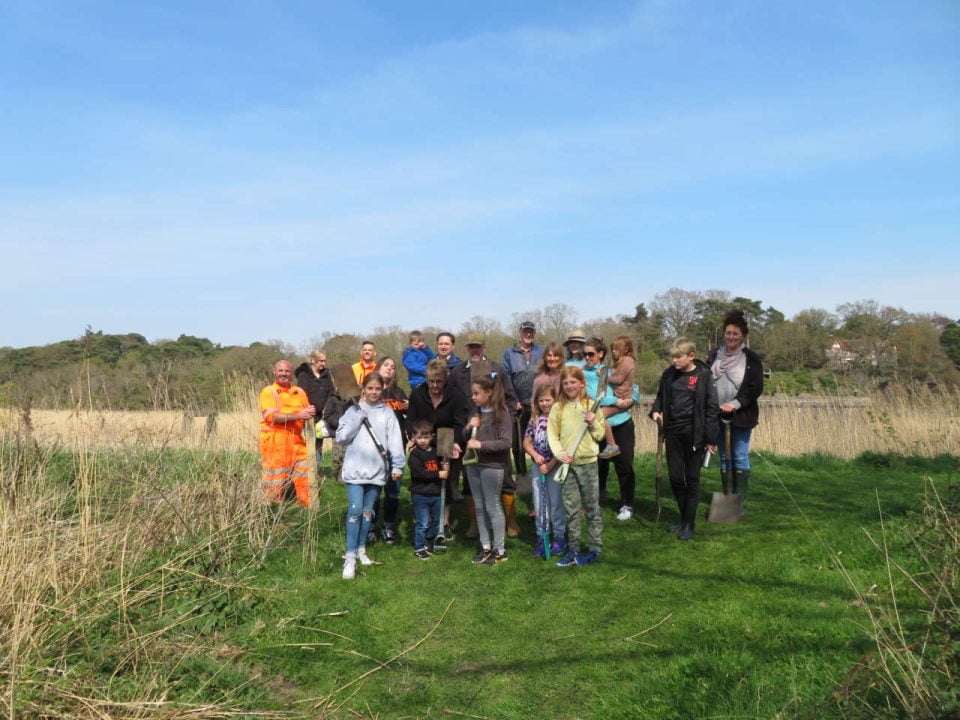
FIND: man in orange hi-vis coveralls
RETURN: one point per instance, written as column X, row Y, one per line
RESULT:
column 283, row 408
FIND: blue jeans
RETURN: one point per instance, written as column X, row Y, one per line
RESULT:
column 739, row 444
column 557, row 514
column 426, row 510
column 360, row 502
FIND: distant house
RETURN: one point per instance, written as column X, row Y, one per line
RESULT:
column 841, row 353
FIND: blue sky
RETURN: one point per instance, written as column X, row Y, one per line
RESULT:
column 254, row 170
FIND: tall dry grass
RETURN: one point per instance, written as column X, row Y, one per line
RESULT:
column 919, row 422
column 914, row 669
column 922, row 422
column 106, row 553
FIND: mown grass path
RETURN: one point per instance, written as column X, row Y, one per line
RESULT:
column 746, row 621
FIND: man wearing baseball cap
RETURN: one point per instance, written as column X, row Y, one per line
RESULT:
column 520, row 360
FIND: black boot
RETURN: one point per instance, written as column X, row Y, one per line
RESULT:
column 741, row 486
column 689, row 517
column 682, row 509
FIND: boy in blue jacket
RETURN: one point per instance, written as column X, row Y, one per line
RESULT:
column 416, row 357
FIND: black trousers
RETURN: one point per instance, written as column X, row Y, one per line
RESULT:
column 519, row 456
column 623, row 435
column 683, row 467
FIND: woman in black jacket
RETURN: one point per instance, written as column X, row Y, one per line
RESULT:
column 738, row 374
column 315, row 380
column 441, row 403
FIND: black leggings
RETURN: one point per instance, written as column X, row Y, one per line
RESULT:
column 623, row 435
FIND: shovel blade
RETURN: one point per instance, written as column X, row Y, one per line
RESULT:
column 345, row 381
column 724, row 509
column 444, row 442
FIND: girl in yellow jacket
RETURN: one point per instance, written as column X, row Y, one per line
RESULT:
column 581, row 488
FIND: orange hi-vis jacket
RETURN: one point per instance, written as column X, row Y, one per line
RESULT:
column 282, row 447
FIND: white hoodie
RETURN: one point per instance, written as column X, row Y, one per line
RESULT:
column 362, row 463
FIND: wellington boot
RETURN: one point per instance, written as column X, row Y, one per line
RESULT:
column 472, row 532
column 690, row 515
column 741, row 485
column 510, row 514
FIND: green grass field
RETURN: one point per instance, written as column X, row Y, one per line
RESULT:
column 746, row 621
column 203, row 603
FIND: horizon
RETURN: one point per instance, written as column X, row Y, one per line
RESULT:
column 246, row 173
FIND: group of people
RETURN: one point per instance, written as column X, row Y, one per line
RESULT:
column 566, row 407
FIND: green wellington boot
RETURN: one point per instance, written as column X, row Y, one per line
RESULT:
column 741, row 486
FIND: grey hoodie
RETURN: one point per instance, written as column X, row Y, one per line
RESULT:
column 362, row 463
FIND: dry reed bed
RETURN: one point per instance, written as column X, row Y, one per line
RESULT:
column 78, row 557
column 920, row 423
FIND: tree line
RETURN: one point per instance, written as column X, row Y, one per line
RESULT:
column 885, row 344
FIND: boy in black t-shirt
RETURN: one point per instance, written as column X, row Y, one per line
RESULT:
column 687, row 406
column 427, row 472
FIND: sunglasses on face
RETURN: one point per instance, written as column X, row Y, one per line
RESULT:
column 590, row 354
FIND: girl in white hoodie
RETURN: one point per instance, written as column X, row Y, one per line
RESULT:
column 367, row 466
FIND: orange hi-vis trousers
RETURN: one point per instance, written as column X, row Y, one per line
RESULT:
column 283, row 450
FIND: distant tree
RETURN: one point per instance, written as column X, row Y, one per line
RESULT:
column 342, row 348
column 950, row 342
column 874, row 326
column 791, row 346
column 678, row 309
column 554, row 322
column 486, row 326
column 707, row 325
column 647, row 330
column 818, row 321
column 558, row 320
column 920, row 355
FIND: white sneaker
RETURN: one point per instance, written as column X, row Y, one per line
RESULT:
column 363, row 557
column 625, row 513
column 349, row 568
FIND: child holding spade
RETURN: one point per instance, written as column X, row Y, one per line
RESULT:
column 581, row 487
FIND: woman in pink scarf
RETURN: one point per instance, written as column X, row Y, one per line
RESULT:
column 738, row 374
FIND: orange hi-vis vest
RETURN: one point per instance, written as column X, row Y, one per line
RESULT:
column 283, row 451
column 360, row 371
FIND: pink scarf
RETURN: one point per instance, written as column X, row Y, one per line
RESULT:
column 732, row 365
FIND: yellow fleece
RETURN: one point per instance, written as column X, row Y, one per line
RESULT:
column 563, row 427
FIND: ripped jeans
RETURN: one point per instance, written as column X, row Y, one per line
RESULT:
column 360, row 502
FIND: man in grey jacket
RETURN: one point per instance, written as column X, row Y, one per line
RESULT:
column 520, row 361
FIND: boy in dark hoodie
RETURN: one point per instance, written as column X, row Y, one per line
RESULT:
column 686, row 405
column 427, row 472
